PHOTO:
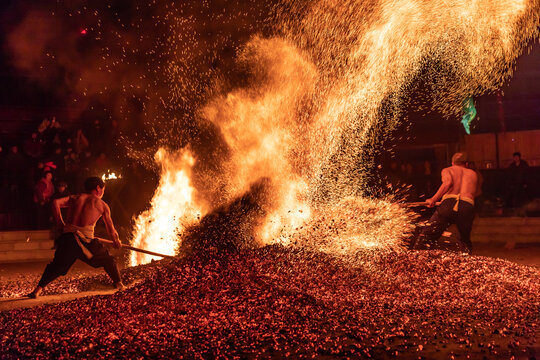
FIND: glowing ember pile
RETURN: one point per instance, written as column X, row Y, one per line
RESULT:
column 277, row 302
column 315, row 97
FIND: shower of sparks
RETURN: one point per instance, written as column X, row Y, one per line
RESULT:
column 309, row 114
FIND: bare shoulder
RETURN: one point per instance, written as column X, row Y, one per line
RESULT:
column 471, row 173
column 446, row 172
column 103, row 206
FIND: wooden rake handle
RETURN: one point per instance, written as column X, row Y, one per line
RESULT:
column 418, row 204
column 109, row 242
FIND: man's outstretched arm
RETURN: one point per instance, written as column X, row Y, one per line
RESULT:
column 110, row 226
column 56, row 205
column 443, row 189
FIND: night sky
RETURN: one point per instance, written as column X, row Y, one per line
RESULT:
column 29, row 95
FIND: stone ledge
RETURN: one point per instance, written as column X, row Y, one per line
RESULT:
column 22, row 236
column 28, row 255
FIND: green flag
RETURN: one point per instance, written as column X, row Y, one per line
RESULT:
column 469, row 113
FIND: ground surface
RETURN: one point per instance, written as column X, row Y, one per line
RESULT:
column 277, row 302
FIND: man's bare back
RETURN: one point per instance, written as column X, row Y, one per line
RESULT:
column 463, row 181
column 458, row 189
column 84, row 210
column 456, row 180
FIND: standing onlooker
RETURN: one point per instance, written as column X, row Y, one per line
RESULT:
column 33, row 147
column 102, row 163
column 97, row 135
column 3, row 182
column 15, row 169
column 61, row 192
column 479, row 199
column 72, row 168
column 427, row 178
column 517, row 181
column 57, row 158
column 43, row 193
column 80, row 142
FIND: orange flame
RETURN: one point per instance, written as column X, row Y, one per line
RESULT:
column 172, row 208
column 317, row 93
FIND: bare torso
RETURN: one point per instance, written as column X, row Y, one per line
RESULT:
column 84, row 210
column 464, row 181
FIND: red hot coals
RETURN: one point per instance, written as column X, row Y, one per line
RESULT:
column 277, row 302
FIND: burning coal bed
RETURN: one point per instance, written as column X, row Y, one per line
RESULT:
column 275, row 301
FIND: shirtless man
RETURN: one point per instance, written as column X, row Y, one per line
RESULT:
column 458, row 189
column 77, row 240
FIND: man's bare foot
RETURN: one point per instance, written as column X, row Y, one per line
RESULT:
column 120, row 286
column 34, row 294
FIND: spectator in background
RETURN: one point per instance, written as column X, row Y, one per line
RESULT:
column 33, row 147
column 102, row 163
column 97, row 135
column 61, row 192
column 80, row 142
column 2, row 172
column 3, row 187
column 72, row 167
column 479, row 199
column 57, row 158
column 427, row 178
column 37, row 171
column 86, row 167
column 43, row 192
column 43, row 126
column 517, row 181
column 15, row 168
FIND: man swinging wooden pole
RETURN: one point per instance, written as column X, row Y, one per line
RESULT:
column 458, row 189
column 77, row 240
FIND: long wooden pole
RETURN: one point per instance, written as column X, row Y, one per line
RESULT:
column 418, row 204
column 109, row 242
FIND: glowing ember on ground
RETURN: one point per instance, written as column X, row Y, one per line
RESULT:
column 277, row 302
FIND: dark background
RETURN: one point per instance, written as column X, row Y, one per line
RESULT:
column 25, row 100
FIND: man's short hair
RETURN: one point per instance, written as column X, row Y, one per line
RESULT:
column 459, row 158
column 517, row 153
column 92, row 183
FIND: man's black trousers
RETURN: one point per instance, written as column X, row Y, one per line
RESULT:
column 68, row 251
column 443, row 217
